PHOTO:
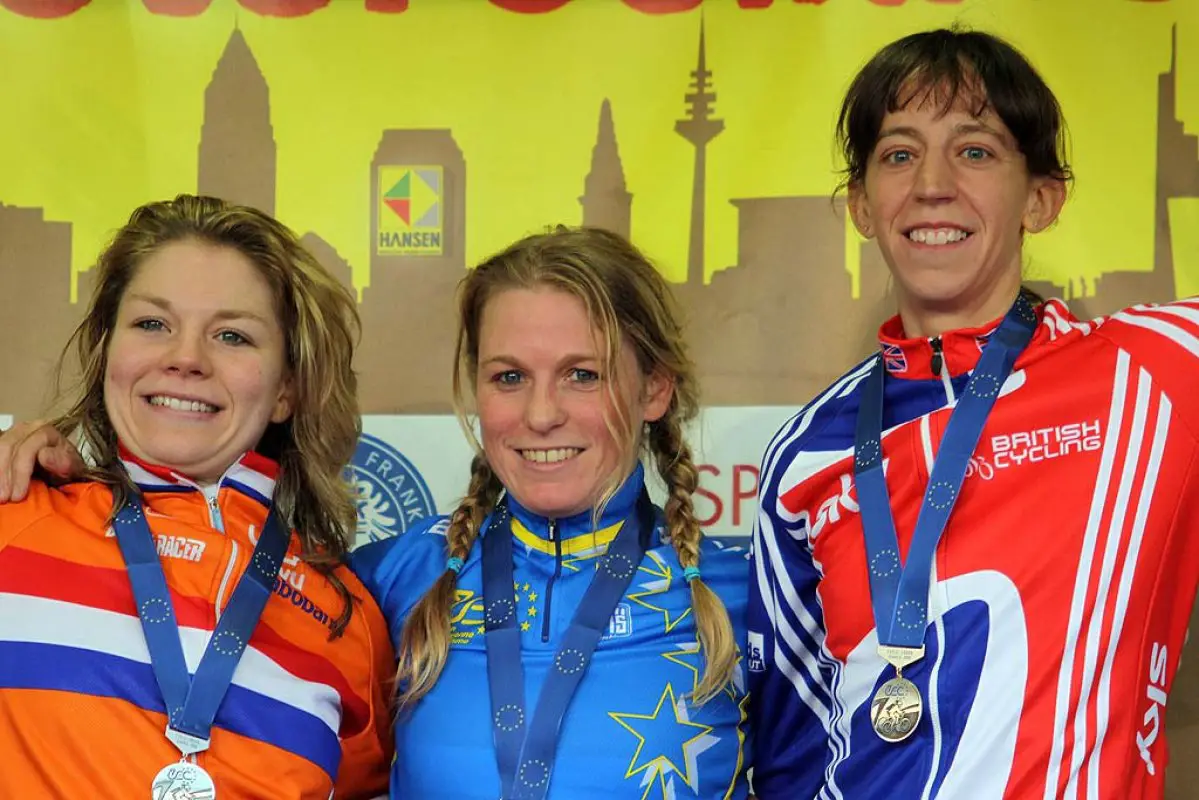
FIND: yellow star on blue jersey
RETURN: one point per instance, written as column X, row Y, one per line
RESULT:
column 663, row 575
column 688, row 655
column 660, row 732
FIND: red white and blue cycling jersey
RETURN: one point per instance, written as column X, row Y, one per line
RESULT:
column 1061, row 589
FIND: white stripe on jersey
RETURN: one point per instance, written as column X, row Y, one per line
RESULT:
column 41, row 620
column 982, row 762
column 1181, row 310
column 826, row 708
column 1078, row 603
column 767, row 548
column 263, row 484
column 1056, row 320
column 1145, row 317
column 802, row 467
column 146, row 479
column 798, row 425
column 1111, row 546
column 1144, row 503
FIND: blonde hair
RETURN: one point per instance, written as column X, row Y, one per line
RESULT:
column 625, row 297
column 319, row 319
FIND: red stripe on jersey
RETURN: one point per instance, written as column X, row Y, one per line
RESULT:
column 39, row 575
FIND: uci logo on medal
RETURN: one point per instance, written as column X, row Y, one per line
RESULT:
column 391, row 495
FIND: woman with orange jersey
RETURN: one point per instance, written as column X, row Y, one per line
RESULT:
column 180, row 623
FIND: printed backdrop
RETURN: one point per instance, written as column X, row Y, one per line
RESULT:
column 408, row 139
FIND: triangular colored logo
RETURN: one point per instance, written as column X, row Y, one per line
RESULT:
column 402, row 208
column 402, row 189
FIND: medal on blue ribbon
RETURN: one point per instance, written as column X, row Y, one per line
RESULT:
column 899, row 593
column 192, row 702
column 526, row 746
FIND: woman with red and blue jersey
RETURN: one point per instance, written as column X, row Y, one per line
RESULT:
column 976, row 552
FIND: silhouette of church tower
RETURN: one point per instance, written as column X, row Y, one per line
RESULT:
column 38, row 317
column 418, row 256
column 1177, row 176
column 606, row 201
column 237, row 142
column 699, row 127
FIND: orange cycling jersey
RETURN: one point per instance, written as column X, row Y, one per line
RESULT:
column 80, row 711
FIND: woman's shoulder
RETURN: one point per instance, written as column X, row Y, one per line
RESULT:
column 85, row 505
column 399, row 569
column 723, row 565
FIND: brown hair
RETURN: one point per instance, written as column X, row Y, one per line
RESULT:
column 625, row 297
column 944, row 66
column 320, row 323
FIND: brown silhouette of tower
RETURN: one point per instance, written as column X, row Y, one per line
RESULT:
column 876, row 295
column 38, row 317
column 606, row 200
column 418, row 256
column 1177, row 176
column 699, row 127
column 237, row 142
column 776, row 328
column 329, row 258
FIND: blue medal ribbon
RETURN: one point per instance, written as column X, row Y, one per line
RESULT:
column 899, row 594
column 192, row 702
column 526, row 748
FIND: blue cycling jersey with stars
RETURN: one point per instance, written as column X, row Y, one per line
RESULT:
column 630, row 730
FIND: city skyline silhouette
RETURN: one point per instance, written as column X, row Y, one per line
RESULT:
column 772, row 329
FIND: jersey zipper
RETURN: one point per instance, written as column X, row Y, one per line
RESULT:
column 220, row 592
column 214, row 509
column 549, row 586
column 218, row 524
column 939, row 369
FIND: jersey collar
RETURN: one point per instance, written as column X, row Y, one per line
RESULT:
column 576, row 534
column 253, row 475
column 957, row 350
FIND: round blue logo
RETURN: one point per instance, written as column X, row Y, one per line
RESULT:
column 390, row 493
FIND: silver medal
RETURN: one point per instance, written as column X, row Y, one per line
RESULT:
column 182, row 781
column 896, row 709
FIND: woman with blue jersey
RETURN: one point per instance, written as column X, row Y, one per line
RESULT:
column 558, row 635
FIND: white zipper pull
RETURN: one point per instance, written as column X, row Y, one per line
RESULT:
column 214, row 508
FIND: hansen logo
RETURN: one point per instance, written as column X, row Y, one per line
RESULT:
column 410, row 211
column 390, row 493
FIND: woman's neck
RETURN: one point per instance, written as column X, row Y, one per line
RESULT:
column 928, row 321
